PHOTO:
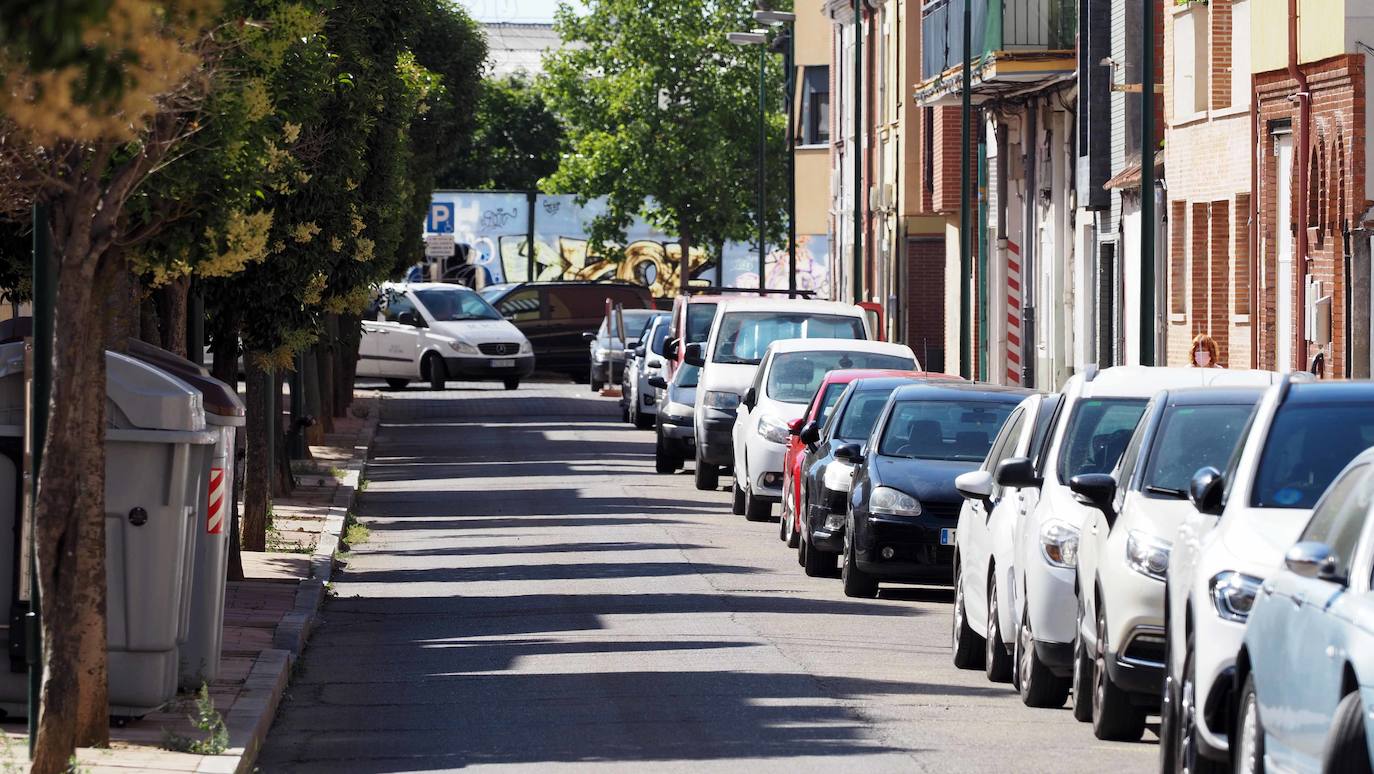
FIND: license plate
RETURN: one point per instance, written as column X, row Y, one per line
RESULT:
column 503, row 364
column 947, row 537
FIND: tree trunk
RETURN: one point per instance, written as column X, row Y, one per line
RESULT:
column 147, row 314
column 310, row 379
column 684, row 270
column 324, row 366
column 257, row 472
column 282, row 482
column 346, row 365
column 173, row 322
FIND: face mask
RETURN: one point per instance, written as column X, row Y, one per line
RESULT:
column 1202, row 357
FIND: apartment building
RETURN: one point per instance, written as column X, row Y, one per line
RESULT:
column 811, row 135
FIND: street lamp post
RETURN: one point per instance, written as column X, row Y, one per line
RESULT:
column 785, row 19
column 758, row 38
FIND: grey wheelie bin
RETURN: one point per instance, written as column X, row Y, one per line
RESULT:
column 200, row 655
column 157, row 450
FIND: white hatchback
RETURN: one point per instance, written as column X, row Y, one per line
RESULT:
column 436, row 332
column 784, row 384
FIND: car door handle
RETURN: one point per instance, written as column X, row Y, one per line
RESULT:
column 1299, row 600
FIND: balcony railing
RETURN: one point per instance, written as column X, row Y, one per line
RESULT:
column 998, row 25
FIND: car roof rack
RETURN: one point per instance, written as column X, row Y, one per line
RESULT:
column 715, row 290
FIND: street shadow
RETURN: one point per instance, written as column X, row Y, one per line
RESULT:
column 917, row 593
column 545, row 548
column 546, row 572
column 532, row 503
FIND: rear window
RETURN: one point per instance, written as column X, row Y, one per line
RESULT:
column 1097, row 435
column 1308, row 444
column 699, row 318
column 660, row 339
column 745, row 336
column 794, row 377
column 861, row 414
column 954, row 430
column 1190, row 438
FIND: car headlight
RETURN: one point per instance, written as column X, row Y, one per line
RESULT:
column 677, row 410
column 773, row 430
column 526, row 348
column 894, row 502
column 601, row 353
column 1233, row 594
column 1147, row 554
column 839, row 476
column 725, row 401
column 464, row 348
column 1059, row 543
column 834, row 521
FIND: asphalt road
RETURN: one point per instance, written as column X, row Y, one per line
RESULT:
column 534, row 596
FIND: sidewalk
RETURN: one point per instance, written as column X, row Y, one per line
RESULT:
column 267, row 619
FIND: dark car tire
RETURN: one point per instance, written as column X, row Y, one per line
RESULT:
column 664, row 459
column 1038, row 686
column 996, row 659
column 624, row 413
column 1115, row 718
column 856, row 582
column 756, row 508
column 707, row 476
column 1187, row 753
column 1081, row 693
column 596, row 384
column 736, row 499
column 791, row 535
column 818, row 563
column 397, row 384
column 967, row 644
column 1346, row 750
column 1248, row 722
column 642, row 421
column 435, row 372
column 512, row 384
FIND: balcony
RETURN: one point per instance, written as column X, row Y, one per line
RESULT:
column 1014, row 42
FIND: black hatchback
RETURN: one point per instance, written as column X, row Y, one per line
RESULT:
column 903, row 507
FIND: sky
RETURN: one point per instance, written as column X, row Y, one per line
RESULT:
column 511, row 10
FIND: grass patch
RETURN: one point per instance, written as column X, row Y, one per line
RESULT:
column 278, row 544
column 354, row 533
column 362, row 484
column 208, row 721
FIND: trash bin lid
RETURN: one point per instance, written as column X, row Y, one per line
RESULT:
column 219, row 398
column 141, row 396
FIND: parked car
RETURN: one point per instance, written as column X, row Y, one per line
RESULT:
column 555, row 315
column 1124, row 552
column 983, row 549
column 787, row 378
column 673, row 422
column 822, row 482
column 606, row 347
column 434, row 333
column 692, row 316
column 1101, row 410
column 741, row 331
column 903, row 507
column 644, row 359
column 1306, row 666
column 1302, row 435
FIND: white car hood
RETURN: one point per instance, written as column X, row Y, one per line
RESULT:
column 1261, row 536
column 1061, row 505
column 727, row 377
column 1155, row 516
column 480, row 331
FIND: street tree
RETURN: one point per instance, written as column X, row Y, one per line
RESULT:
column 518, row 140
column 661, row 114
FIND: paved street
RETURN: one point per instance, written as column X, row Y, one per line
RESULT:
column 533, row 595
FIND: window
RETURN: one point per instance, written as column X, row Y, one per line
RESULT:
column 1097, row 435
column 815, row 105
column 699, row 319
column 953, row 430
column 744, row 336
column 1190, row 61
column 795, row 376
column 520, row 306
column 454, row 304
column 397, row 305
column 660, row 339
column 1178, row 256
column 576, row 303
column 861, row 414
column 829, row 399
column 1005, row 445
column 1240, row 55
column 687, row 375
column 1191, row 438
column 1240, row 282
column 1340, row 516
column 1306, row 447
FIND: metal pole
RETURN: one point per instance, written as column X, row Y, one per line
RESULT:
column 296, row 437
column 44, row 305
column 856, row 151
column 1147, row 183
column 763, row 147
column 530, row 201
column 791, row 163
column 965, row 193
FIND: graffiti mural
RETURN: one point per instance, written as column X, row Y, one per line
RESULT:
column 492, row 233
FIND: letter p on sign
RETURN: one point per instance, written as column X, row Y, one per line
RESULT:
column 440, row 218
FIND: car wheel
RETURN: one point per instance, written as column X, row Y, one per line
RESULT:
column 595, row 383
column 1081, row 692
column 512, row 384
column 857, row 583
column 641, row 420
column 736, row 499
column 397, row 384
column 1249, row 742
column 967, row 645
column 664, row 461
column 783, row 521
column 1039, row 687
column 802, row 550
column 996, row 659
column 624, row 413
column 1346, row 750
column 1115, row 718
column 793, row 537
column 756, row 508
column 1189, row 759
column 706, row 476
column 435, row 372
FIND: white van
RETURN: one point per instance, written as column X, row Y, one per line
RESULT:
column 740, row 334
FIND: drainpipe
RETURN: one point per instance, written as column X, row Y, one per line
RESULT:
column 1148, row 321
column 857, row 151
column 966, row 193
column 1304, row 151
column 1029, row 242
column 1255, row 254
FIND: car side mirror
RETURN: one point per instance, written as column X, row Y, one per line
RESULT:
column 849, row 453
column 670, row 350
column 1096, row 490
column 794, row 427
column 411, row 319
column 1205, row 491
column 1016, row 473
column 588, row 335
column 810, row 434
column 975, row 485
column 695, row 355
column 1312, row 559
column 750, row 399
column 639, row 351
column 658, row 382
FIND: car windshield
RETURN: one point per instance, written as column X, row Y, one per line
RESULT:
column 744, row 336
column 493, row 293
column 861, row 414
column 699, row 318
column 1307, row 445
column 794, row 377
column 687, row 375
column 1190, row 438
column 1097, row 435
column 955, row 430
column 453, row 304
column 635, row 320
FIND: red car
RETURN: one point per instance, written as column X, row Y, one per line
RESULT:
column 834, row 383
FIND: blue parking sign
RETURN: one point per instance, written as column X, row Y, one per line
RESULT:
column 440, row 220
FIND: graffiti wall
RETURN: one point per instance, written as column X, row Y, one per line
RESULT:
column 491, row 230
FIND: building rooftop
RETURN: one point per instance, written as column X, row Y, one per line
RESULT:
column 516, row 47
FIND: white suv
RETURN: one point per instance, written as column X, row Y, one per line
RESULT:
column 741, row 331
column 785, row 383
column 1124, row 553
column 1301, row 436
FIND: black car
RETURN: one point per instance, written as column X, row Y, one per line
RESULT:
column 823, row 508
column 903, row 507
column 555, row 315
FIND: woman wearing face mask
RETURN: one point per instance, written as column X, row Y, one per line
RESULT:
column 1204, row 352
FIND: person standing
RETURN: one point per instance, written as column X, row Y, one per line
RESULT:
column 1204, row 353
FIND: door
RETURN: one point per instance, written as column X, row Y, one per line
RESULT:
column 521, row 308
column 399, row 345
column 1283, row 283
column 570, row 311
column 979, row 524
column 370, row 346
